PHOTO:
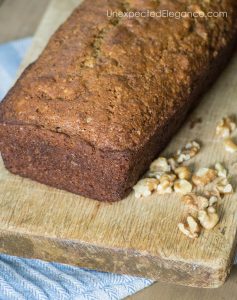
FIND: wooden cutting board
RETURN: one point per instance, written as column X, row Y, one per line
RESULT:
column 133, row 236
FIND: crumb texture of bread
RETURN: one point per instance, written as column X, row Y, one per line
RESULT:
column 107, row 93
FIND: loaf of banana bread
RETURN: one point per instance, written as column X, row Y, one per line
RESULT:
column 110, row 89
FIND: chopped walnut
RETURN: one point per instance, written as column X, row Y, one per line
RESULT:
column 183, row 173
column 225, row 127
column 195, row 202
column 214, row 193
column 224, row 187
column 173, row 164
column 187, row 152
column 208, row 218
column 156, row 175
column 213, row 201
column 230, row 145
column 204, row 176
column 145, row 187
column 160, row 165
column 221, row 171
column 166, row 183
column 190, row 228
column 170, row 177
column 165, row 187
column 182, row 186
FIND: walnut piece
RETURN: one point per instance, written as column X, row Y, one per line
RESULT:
column 160, row 165
column 173, row 163
column 156, row 175
column 183, row 173
column 145, row 187
column 164, row 187
column 223, row 186
column 187, row 152
column 204, row 176
column 213, row 201
column 230, row 145
column 182, row 186
column 195, row 202
column 166, row 183
column 225, row 127
column 190, row 228
column 221, row 171
column 170, row 177
column 208, row 218
column 209, row 194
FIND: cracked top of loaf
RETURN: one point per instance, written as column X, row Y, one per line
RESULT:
column 113, row 81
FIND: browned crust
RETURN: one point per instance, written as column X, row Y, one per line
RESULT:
column 76, row 166
column 144, row 70
column 39, row 142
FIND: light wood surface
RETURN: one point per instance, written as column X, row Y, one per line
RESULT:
column 132, row 236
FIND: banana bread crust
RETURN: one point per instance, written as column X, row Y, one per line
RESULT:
column 106, row 94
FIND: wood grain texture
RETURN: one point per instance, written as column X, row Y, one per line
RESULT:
column 20, row 18
column 133, row 236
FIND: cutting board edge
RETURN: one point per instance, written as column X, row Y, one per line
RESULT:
column 123, row 261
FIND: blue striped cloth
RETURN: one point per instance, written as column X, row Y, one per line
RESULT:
column 32, row 279
column 11, row 55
